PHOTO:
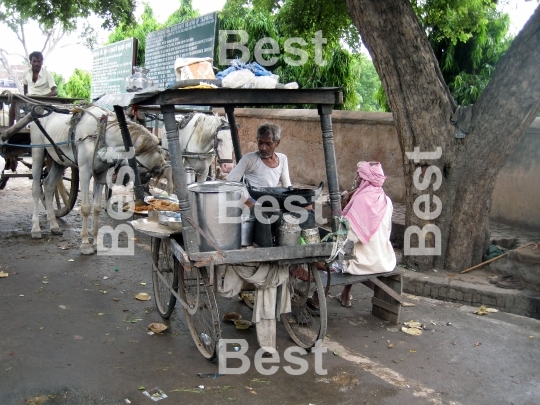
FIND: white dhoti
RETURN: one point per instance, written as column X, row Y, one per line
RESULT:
column 266, row 277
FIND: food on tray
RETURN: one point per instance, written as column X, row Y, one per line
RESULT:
column 143, row 208
column 164, row 205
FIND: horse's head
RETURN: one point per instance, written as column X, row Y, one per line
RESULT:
column 224, row 148
column 203, row 137
column 150, row 157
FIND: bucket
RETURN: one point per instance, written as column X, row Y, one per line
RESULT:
column 248, row 230
column 217, row 209
column 190, row 175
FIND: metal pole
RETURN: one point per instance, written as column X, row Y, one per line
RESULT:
column 234, row 133
column 138, row 188
column 325, row 112
column 179, row 178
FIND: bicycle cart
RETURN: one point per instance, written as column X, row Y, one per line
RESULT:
column 184, row 274
column 16, row 144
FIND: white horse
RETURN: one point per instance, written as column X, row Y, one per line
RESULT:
column 81, row 152
column 203, row 136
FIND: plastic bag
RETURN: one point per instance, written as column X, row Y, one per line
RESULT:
column 261, row 82
column 237, row 79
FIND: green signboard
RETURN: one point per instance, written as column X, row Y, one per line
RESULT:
column 111, row 66
column 190, row 39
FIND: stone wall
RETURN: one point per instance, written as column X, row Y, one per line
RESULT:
column 372, row 136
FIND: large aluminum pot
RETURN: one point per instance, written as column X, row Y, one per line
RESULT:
column 217, row 209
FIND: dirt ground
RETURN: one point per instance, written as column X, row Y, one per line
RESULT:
column 72, row 332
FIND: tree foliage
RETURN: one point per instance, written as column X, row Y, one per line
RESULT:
column 66, row 12
column 79, row 84
column 148, row 23
column 139, row 30
column 60, row 87
column 368, row 85
column 468, row 38
column 267, row 19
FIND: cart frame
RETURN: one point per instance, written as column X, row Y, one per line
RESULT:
column 204, row 265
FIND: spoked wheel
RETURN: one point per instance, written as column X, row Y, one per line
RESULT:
column 304, row 323
column 66, row 192
column 164, row 276
column 202, row 313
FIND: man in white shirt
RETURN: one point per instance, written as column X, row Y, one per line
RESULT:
column 266, row 167
column 37, row 81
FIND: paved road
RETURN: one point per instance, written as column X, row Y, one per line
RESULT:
column 66, row 340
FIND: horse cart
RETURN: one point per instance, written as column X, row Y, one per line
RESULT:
column 184, row 272
column 15, row 145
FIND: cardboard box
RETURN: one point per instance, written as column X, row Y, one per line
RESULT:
column 187, row 69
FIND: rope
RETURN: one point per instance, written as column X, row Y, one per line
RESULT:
column 337, row 246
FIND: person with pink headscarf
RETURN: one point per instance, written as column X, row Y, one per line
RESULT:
column 369, row 213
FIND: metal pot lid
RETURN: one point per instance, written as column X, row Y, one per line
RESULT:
column 216, row 186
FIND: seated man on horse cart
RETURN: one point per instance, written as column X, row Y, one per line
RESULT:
column 37, row 81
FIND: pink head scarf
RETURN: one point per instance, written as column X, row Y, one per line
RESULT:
column 367, row 207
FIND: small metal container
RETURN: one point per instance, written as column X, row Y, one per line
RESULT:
column 248, row 229
column 311, row 235
column 175, row 223
column 153, row 215
column 289, row 231
column 191, row 176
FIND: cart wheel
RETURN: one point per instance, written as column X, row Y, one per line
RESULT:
column 164, row 264
column 202, row 313
column 305, row 325
column 3, row 182
column 66, row 192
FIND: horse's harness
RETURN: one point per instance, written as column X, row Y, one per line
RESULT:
column 74, row 121
column 214, row 149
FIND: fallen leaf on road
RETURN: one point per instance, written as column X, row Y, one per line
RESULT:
column 45, row 282
column 78, row 337
column 143, row 297
column 142, row 387
column 116, row 299
column 412, row 331
column 143, row 283
column 390, row 345
column 71, row 260
column 413, row 324
column 477, row 344
column 407, row 304
column 157, row 327
column 485, row 310
column 62, row 306
column 3, row 274
column 412, row 351
column 63, row 247
column 532, row 336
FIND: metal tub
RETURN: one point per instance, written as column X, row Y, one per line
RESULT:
column 217, row 209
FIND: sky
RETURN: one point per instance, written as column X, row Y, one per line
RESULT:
column 69, row 56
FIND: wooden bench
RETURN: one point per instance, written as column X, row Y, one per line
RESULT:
column 387, row 289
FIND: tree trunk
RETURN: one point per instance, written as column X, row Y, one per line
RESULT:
column 7, row 66
column 463, row 176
